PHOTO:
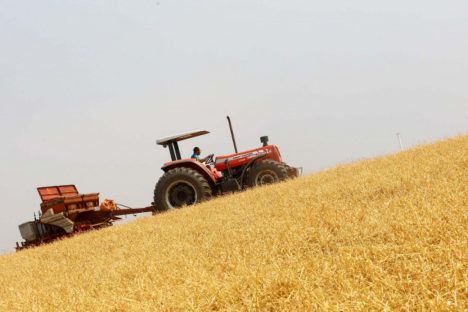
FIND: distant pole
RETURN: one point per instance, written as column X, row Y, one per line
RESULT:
column 399, row 141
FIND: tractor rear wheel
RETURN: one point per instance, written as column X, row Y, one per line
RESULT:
column 267, row 172
column 180, row 187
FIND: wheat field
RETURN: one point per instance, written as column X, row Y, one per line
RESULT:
column 385, row 234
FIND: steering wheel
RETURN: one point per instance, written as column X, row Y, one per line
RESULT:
column 210, row 159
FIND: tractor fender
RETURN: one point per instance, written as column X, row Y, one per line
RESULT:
column 211, row 176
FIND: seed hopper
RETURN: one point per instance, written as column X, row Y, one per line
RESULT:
column 65, row 212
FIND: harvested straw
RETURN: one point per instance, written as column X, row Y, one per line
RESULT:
column 381, row 234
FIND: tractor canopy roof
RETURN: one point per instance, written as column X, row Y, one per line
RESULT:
column 181, row 137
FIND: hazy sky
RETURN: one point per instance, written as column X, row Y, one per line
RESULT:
column 86, row 87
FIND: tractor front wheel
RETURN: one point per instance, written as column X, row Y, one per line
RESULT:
column 267, row 172
column 180, row 187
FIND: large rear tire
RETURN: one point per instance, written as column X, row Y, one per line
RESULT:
column 181, row 187
column 267, row 172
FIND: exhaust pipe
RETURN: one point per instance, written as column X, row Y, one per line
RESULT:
column 232, row 134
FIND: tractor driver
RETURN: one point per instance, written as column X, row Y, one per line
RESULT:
column 197, row 153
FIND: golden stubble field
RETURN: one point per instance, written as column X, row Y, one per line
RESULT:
column 383, row 234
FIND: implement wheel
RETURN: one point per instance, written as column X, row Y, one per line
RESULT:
column 267, row 172
column 181, row 187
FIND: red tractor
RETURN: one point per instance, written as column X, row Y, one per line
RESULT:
column 189, row 181
column 64, row 211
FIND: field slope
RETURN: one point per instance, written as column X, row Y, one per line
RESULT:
column 383, row 234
